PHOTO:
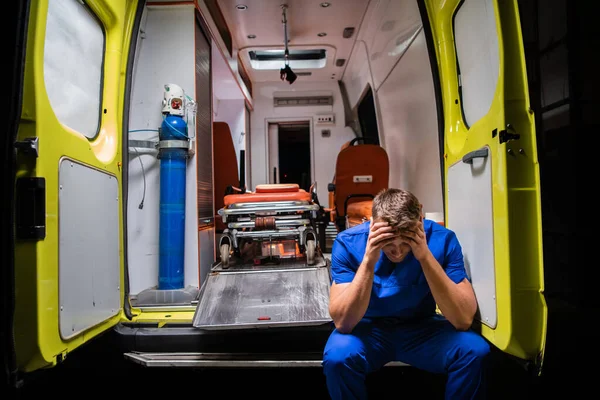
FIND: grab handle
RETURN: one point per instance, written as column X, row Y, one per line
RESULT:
column 468, row 158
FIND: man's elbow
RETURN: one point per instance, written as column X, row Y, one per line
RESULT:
column 463, row 322
column 343, row 327
column 342, row 323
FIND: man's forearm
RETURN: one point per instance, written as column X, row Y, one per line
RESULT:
column 457, row 306
column 350, row 305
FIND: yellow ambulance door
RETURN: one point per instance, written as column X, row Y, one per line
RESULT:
column 492, row 187
column 69, row 275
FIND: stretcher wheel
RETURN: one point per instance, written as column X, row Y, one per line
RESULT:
column 224, row 255
column 310, row 251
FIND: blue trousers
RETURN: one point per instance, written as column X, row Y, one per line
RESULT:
column 430, row 344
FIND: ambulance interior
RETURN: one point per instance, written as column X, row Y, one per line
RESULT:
column 275, row 165
column 244, row 163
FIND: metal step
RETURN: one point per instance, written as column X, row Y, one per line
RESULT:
column 283, row 296
column 231, row 360
column 330, row 235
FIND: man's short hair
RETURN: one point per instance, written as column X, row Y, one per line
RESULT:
column 399, row 208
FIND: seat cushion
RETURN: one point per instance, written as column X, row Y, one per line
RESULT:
column 358, row 212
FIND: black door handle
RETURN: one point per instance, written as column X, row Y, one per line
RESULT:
column 481, row 153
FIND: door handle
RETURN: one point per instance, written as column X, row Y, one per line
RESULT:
column 481, row 153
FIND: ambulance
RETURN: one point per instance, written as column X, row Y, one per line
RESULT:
column 177, row 171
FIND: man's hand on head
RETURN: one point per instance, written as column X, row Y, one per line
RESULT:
column 416, row 238
column 380, row 234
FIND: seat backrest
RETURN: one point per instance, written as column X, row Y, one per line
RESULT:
column 361, row 171
column 226, row 167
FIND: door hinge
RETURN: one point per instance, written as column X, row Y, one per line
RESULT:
column 30, row 208
column 507, row 134
column 61, row 357
column 29, row 146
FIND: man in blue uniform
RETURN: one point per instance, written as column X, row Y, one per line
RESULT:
column 388, row 275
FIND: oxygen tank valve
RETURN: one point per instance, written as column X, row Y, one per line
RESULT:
column 173, row 100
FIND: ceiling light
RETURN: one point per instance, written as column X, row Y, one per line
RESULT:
column 241, row 7
column 321, row 34
column 251, row 36
column 325, row 5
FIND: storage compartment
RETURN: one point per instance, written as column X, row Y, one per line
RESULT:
column 166, row 174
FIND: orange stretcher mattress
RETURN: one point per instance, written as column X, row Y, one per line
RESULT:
column 277, row 188
column 269, row 192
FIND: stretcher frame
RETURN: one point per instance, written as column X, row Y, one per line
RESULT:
column 276, row 220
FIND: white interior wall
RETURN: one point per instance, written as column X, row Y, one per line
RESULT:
column 228, row 101
column 411, row 127
column 156, row 66
column 391, row 56
column 325, row 149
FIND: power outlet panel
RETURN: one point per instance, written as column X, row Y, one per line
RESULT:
column 326, row 119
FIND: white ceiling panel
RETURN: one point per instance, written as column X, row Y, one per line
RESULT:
column 306, row 19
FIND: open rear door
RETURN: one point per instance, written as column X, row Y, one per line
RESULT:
column 68, row 251
column 492, row 189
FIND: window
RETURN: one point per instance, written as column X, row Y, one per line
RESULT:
column 73, row 64
column 298, row 59
column 477, row 56
column 368, row 119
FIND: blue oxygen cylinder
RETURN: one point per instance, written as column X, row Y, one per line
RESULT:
column 172, row 204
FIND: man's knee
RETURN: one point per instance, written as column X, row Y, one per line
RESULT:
column 479, row 347
column 473, row 347
column 343, row 352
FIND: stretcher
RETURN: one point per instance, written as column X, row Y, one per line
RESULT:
column 272, row 272
column 279, row 218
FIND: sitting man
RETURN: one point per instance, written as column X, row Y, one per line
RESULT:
column 388, row 274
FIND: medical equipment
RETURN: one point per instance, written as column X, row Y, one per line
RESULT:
column 173, row 154
column 281, row 218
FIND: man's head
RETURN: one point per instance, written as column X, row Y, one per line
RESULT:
column 401, row 210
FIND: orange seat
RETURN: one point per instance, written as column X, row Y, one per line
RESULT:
column 361, row 171
column 358, row 212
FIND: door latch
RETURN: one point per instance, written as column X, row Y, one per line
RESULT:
column 507, row 134
column 30, row 208
column 29, row 146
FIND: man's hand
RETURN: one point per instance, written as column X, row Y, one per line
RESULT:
column 417, row 240
column 348, row 302
column 380, row 234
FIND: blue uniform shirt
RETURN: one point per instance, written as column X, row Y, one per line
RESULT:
column 399, row 289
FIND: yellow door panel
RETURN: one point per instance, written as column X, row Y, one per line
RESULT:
column 492, row 188
column 69, row 270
